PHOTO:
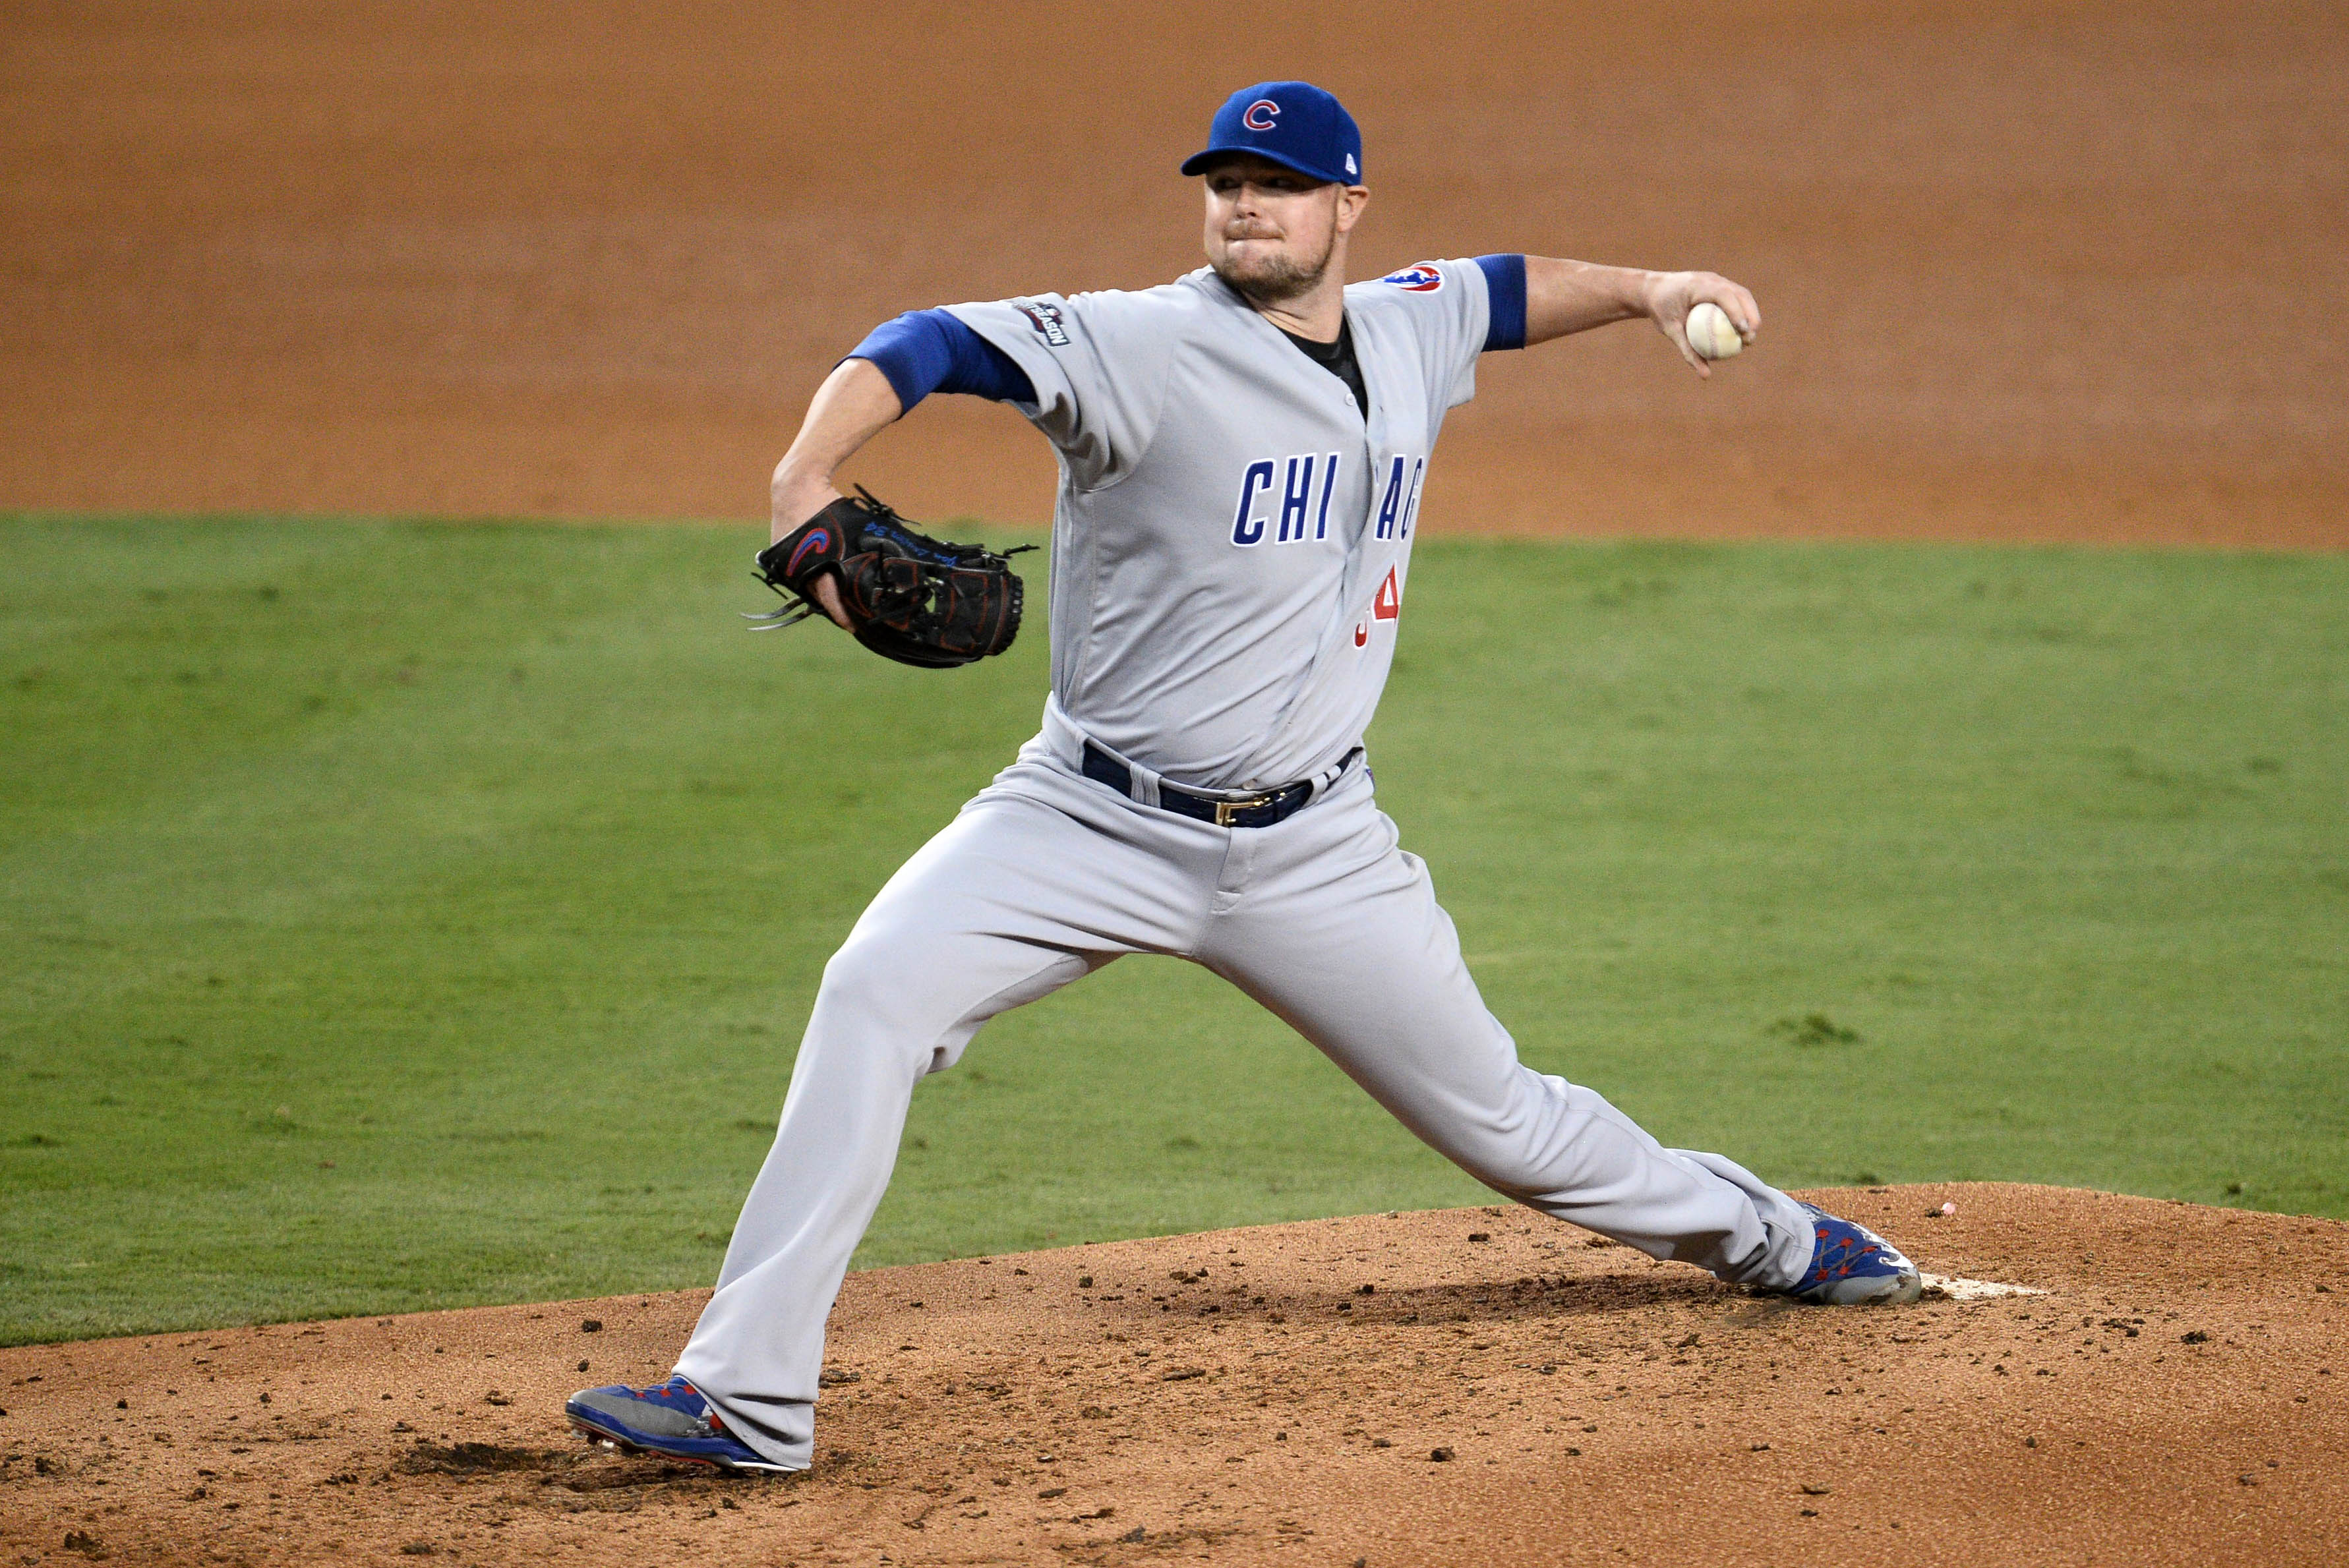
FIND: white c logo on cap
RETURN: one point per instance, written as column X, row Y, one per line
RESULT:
column 1260, row 115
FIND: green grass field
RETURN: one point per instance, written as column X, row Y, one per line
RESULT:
column 396, row 915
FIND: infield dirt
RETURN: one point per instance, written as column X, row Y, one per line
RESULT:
column 1280, row 1395
column 2030, row 271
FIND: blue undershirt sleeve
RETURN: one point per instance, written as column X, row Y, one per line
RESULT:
column 1504, row 286
column 926, row 351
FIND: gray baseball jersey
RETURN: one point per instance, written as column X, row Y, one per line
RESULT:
column 1232, row 539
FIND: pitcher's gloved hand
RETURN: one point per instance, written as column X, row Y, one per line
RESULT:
column 908, row 597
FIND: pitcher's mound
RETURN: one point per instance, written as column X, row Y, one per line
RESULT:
column 1476, row 1385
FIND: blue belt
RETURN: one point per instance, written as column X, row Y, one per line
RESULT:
column 1258, row 810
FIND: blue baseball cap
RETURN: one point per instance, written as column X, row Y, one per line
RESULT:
column 1294, row 124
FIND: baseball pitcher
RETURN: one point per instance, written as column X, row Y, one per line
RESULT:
column 1242, row 453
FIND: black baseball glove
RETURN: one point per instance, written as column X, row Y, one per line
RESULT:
column 909, row 597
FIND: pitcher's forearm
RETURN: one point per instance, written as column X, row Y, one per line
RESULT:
column 854, row 404
column 1563, row 297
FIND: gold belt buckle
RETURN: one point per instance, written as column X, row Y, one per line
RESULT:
column 1224, row 809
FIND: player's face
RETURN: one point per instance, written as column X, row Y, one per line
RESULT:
column 1271, row 230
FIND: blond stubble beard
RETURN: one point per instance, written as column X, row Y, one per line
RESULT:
column 1277, row 278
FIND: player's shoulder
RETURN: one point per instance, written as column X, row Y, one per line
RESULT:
column 1120, row 316
column 1183, row 294
column 1417, row 287
column 1168, row 306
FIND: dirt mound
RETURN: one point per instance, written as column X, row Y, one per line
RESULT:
column 1475, row 1385
column 2029, row 271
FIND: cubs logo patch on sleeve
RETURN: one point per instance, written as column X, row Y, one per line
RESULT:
column 1425, row 277
column 1048, row 321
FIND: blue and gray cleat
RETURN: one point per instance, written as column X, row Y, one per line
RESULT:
column 670, row 1420
column 1851, row 1265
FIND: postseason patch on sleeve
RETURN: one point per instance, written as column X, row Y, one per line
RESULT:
column 1049, row 324
column 1424, row 277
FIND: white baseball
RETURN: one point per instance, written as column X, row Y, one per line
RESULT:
column 1711, row 332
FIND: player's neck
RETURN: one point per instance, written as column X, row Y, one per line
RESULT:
column 1316, row 312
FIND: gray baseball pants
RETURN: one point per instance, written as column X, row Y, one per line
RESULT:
column 1048, row 875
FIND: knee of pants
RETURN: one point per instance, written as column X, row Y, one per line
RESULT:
column 874, row 999
column 877, row 996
